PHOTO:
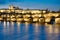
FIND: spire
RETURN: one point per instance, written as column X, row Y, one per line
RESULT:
column 11, row 6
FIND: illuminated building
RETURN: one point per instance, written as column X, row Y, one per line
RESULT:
column 16, row 14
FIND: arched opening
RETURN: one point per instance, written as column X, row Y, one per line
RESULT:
column 52, row 21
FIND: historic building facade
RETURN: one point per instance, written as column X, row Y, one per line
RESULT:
column 15, row 13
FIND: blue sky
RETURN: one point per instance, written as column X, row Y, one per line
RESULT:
column 32, row 4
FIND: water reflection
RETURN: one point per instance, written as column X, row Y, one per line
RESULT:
column 29, row 31
column 4, row 24
column 36, row 25
column 4, row 30
column 18, row 26
column 53, row 31
column 27, row 26
column 52, row 28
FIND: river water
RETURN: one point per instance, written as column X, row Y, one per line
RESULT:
column 29, row 31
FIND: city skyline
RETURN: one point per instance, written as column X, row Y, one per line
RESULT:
column 53, row 5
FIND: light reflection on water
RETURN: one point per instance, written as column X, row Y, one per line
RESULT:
column 27, row 31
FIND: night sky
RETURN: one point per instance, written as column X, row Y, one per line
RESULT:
column 32, row 4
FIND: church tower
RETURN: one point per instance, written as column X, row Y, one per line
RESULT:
column 12, row 7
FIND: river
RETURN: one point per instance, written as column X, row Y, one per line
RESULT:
column 29, row 31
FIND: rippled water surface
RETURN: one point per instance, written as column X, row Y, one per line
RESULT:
column 29, row 31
